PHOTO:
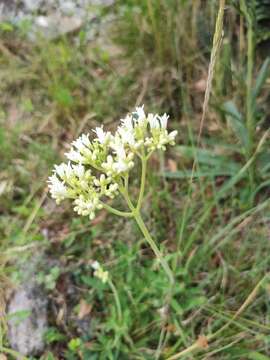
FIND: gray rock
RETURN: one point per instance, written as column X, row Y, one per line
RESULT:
column 8, row 9
column 17, row 10
column 27, row 313
column 55, row 25
column 53, row 18
column 32, row 5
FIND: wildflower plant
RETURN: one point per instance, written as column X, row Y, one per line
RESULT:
column 98, row 169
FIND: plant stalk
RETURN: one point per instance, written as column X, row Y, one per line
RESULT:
column 249, row 95
column 154, row 247
column 117, row 301
column 143, row 176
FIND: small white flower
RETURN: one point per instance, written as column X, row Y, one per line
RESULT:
column 74, row 156
column 111, row 191
column 123, row 162
column 78, row 144
column 85, row 140
column 164, row 120
column 127, row 136
column 68, row 172
column 102, row 275
column 99, row 272
column 127, row 122
column 78, row 170
column 120, row 166
column 95, row 265
column 102, row 136
column 57, row 189
column 172, row 135
column 108, row 165
column 140, row 114
column 87, row 206
column 101, row 181
column 120, row 152
column 153, row 121
column 60, row 170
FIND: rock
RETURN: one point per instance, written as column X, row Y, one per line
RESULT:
column 55, row 25
column 32, row 5
column 68, row 8
column 102, row 2
column 8, row 9
column 52, row 18
column 27, row 313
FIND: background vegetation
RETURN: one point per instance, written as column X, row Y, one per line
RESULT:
column 215, row 229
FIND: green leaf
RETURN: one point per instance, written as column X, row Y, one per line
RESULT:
column 63, row 96
column 53, row 335
column 7, row 27
column 19, row 316
column 235, row 119
column 211, row 164
column 193, row 302
column 177, row 307
column 254, row 355
column 261, row 78
column 208, row 158
column 186, row 174
column 74, row 344
column 48, row 356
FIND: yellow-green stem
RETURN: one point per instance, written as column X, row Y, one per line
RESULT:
column 117, row 301
column 143, row 176
column 117, row 212
column 154, row 247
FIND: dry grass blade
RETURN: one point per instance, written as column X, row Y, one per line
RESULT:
column 198, row 345
column 217, row 40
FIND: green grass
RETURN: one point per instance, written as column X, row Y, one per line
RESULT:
column 213, row 230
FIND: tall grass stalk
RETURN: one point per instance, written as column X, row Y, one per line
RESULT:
column 203, row 341
column 217, row 40
column 249, row 81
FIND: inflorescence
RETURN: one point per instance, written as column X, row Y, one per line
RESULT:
column 97, row 167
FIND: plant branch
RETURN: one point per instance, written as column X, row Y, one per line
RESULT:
column 117, row 300
column 154, row 247
column 116, row 212
column 124, row 192
column 143, row 176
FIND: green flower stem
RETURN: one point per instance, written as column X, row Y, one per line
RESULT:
column 151, row 242
column 117, row 301
column 124, row 192
column 143, row 176
column 117, row 212
column 135, row 213
column 126, row 180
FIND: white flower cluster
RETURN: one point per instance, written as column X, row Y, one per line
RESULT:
column 110, row 156
column 99, row 272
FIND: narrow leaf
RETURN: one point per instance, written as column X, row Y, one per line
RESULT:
column 236, row 121
column 261, row 78
column 254, row 355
